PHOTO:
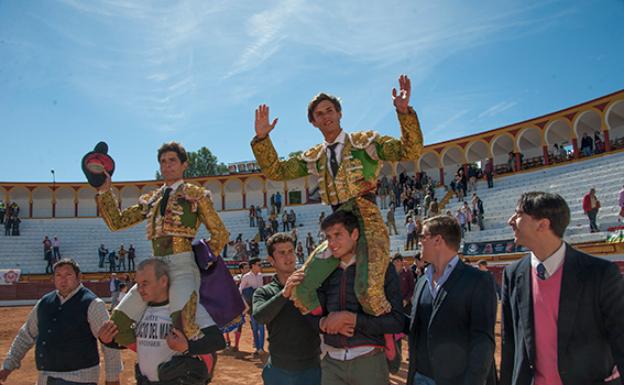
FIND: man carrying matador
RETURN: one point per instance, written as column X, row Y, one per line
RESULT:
column 174, row 213
column 347, row 166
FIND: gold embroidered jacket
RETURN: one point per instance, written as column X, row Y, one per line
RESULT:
column 187, row 207
column 360, row 165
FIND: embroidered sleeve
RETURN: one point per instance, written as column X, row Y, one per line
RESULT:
column 116, row 219
column 272, row 167
column 409, row 146
column 219, row 235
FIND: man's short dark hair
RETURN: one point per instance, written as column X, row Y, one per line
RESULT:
column 253, row 261
column 397, row 257
column 242, row 264
column 174, row 147
column 278, row 238
column 318, row 99
column 67, row 262
column 345, row 218
column 417, row 255
column 482, row 262
column 544, row 205
column 447, row 227
column 122, row 286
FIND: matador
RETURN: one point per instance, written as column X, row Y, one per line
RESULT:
column 174, row 213
column 347, row 166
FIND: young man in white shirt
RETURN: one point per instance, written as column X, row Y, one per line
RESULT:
column 249, row 283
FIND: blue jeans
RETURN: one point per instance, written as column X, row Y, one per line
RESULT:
column 258, row 333
column 58, row 381
column 276, row 376
column 419, row 379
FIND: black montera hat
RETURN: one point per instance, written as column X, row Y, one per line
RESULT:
column 94, row 164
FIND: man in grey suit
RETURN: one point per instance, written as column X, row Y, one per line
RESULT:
column 451, row 331
column 563, row 310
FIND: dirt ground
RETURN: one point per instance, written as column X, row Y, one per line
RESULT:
column 232, row 368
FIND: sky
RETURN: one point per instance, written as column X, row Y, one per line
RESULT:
column 136, row 74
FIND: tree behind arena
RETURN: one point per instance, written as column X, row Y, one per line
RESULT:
column 201, row 163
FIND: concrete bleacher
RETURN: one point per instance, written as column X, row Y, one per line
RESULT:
column 572, row 181
column 80, row 238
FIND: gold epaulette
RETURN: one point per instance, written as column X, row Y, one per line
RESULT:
column 193, row 192
column 313, row 154
column 363, row 139
column 148, row 197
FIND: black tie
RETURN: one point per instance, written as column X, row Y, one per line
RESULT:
column 164, row 200
column 541, row 271
column 333, row 162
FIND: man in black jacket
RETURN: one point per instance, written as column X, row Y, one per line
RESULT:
column 294, row 345
column 353, row 340
column 451, row 331
column 563, row 310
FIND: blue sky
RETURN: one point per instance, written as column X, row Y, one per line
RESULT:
column 138, row 73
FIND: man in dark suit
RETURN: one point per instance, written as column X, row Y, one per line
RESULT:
column 451, row 331
column 563, row 310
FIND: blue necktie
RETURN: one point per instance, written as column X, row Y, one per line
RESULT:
column 541, row 271
column 333, row 161
column 164, row 200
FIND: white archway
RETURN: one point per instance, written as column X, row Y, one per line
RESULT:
column 64, row 202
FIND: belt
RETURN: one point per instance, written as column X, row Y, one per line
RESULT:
column 171, row 245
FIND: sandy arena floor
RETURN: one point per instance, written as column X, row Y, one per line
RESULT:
column 232, row 368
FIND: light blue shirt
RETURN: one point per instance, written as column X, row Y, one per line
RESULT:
column 435, row 286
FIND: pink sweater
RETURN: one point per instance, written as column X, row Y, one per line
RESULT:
column 545, row 316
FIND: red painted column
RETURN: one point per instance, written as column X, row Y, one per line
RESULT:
column 223, row 201
column 75, row 209
column 285, row 198
column 607, row 141
column 546, row 160
column 244, row 200
column 441, row 175
column 264, row 196
column 518, row 163
column 575, row 148
column 307, row 197
column 30, row 209
column 53, row 209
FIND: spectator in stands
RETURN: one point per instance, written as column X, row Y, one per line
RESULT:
column 15, row 226
column 418, row 266
column 621, row 204
column 56, row 248
column 274, row 224
column 411, row 234
column 434, row 207
column 310, row 245
column 299, row 252
column 472, row 178
column 294, row 233
column 406, row 280
column 599, row 146
column 47, row 254
column 489, row 172
column 261, row 227
column 460, row 215
column 132, row 256
column 321, row 218
column 2, row 211
column 591, row 205
column 113, row 287
column 112, row 261
column 285, row 221
column 123, row 290
column 587, row 145
column 292, row 218
column 121, row 257
column 8, row 223
column 468, row 213
column 102, row 253
column 272, row 202
column 511, row 162
column 563, row 153
column 427, row 203
column 390, row 221
column 63, row 326
column 477, row 210
column 252, row 216
column 278, row 202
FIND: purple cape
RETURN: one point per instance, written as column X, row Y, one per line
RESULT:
column 218, row 292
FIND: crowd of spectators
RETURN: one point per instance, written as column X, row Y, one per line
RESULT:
column 9, row 218
column 117, row 258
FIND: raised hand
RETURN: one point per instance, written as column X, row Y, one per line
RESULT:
column 263, row 127
column 401, row 98
column 107, row 184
